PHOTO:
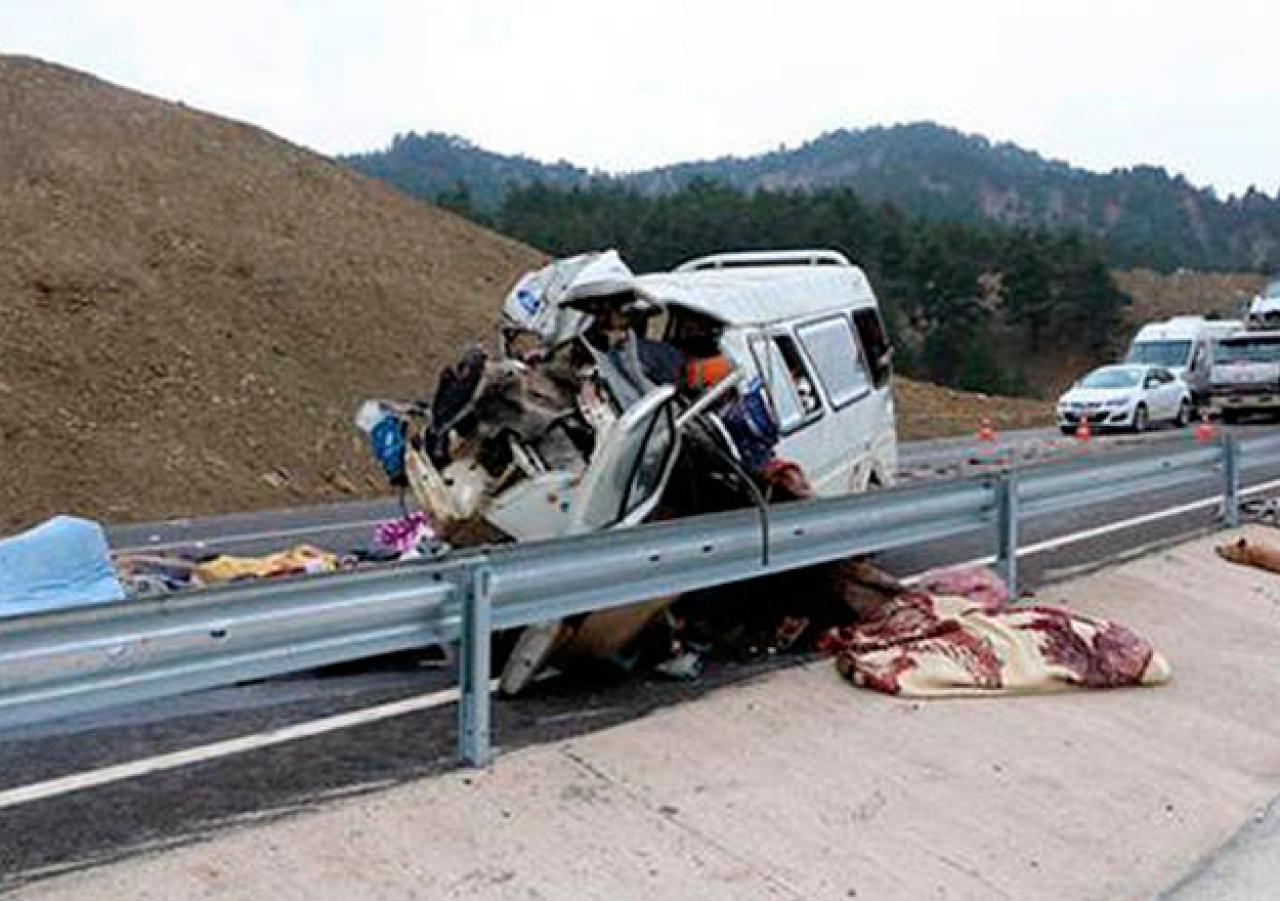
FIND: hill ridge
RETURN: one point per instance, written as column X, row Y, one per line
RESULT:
column 1146, row 215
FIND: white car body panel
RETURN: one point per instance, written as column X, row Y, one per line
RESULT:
column 1116, row 407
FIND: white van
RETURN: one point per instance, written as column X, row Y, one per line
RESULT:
column 1184, row 346
column 802, row 329
column 805, row 325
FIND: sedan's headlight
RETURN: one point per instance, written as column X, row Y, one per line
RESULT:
column 1118, row 402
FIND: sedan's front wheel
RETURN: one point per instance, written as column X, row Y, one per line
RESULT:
column 1141, row 420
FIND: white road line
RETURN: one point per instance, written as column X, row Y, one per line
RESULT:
column 62, row 785
column 119, row 772
column 1098, row 531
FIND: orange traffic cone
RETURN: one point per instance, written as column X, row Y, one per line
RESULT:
column 1084, row 431
column 1204, row 428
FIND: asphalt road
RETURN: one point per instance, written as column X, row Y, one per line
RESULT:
column 183, row 804
column 348, row 525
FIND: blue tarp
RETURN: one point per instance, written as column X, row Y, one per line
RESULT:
column 62, row 563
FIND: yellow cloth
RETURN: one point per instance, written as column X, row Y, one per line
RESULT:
column 301, row 559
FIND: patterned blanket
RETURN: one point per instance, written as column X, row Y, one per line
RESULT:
column 927, row 645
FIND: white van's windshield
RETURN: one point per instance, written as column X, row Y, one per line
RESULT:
column 1273, row 290
column 1248, row 350
column 1160, row 353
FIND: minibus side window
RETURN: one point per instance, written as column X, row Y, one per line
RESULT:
column 834, row 351
column 875, row 345
column 786, row 380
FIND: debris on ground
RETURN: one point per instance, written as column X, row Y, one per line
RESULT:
column 63, row 562
column 154, row 575
column 410, row 537
column 1251, row 553
column 301, row 560
column 683, row 666
column 1262, row 509
column 925, row 645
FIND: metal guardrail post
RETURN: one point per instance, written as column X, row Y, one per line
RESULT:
column 1231, row 480
column 1007, row 528
column 473, row 706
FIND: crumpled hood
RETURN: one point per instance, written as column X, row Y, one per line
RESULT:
column 538, row 301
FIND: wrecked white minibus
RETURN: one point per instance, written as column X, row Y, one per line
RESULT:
column 736, row 379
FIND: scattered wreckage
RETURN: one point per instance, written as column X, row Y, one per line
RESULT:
column 736, row 379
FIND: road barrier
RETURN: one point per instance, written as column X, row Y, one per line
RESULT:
column 59, row 664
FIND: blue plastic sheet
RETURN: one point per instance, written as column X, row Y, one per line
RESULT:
column 62, row 563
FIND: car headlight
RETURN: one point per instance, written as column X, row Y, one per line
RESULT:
column 1118, row 402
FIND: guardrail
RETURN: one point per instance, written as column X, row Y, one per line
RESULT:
column 58, row 664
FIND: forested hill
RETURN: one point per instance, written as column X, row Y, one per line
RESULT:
column 433, row 165
column 981, row 306
column 1143, row 215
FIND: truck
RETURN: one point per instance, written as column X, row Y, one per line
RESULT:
column 1245, row 378
column 1183, row 345
column 1264, row 311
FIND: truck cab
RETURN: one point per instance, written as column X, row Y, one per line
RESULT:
column 1246, row 375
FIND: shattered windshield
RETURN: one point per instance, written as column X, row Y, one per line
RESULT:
column 1249, row 350
column 1160, row 353
column 1111, row 378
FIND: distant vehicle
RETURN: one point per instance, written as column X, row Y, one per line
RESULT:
column 1246, row 375
column 1264, row 312
column 1125, row 396
column 1184, row 346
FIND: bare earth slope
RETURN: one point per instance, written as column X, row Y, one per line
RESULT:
column 927, row 411
column 1186, row 293
column 190, row 308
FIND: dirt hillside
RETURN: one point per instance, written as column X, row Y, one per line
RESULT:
column 1186, row 293
column 931, row 411
column 191, row 308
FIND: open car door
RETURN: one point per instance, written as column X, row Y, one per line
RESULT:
column 621, row 487
column 629, row 470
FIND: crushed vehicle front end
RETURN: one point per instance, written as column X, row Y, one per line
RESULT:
column 606, row 405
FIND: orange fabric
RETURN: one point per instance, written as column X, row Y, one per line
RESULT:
column 707, row 372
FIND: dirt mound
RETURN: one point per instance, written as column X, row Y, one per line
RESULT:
column 190, row 308
column 931, row 411
column 1186, row 293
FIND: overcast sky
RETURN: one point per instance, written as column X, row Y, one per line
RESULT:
column 1193, row 86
